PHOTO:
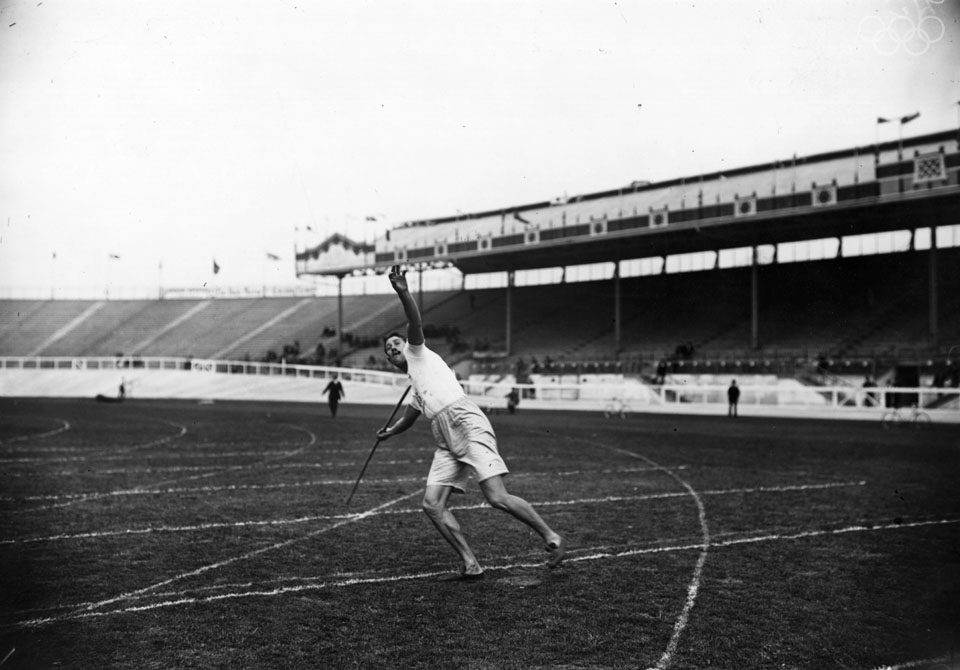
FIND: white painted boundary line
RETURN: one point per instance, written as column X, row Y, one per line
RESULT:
column 235, row 559
column 202, row 468
column 310, row 519
column 37, row 436
column 286, row 485
column 694, row 586
column 97, row 496
column 146, row 487
column 199, row 449
column 181, row 597
column 943, row 660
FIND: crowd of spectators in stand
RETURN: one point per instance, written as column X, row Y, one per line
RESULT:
column 450, row 335
column 684, row 351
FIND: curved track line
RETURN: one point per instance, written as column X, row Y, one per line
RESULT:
column 98, row 496
column 148, row 488
column 325, row 517
column 36, row 436
column 181, row 598
column 285, row 485
column 694, row 586
column 943, row 660
column 214, row 566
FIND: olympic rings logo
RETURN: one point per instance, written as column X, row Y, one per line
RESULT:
column 892, row 31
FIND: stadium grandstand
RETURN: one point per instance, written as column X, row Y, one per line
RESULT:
column 824, row 270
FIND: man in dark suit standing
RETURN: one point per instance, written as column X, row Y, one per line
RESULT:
column 335, row 388
column 733, row 396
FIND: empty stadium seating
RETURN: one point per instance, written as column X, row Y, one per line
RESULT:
column 855, row 307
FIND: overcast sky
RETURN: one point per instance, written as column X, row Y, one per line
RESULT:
column 175, row 132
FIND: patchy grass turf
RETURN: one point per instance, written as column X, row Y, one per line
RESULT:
column 172, row 534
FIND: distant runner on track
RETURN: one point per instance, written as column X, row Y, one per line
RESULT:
column 464, row 437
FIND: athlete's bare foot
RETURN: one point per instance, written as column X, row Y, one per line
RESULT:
column 464, row 575
column 556, row 548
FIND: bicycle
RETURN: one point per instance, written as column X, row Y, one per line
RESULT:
column 895, row 417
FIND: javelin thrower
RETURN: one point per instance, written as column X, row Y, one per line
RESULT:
column 464, row 436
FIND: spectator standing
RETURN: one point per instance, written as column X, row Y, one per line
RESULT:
column 335, row 388
column 733, row 397
column 513, row 400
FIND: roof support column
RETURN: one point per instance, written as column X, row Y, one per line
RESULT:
column 616, row 307
column 933, row 286
column 754, row 302
column 420, row 288
column 510, row 279
column 339, row 320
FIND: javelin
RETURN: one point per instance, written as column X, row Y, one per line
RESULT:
column 375, row 445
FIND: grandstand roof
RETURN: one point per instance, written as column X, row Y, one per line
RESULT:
column 888, row 186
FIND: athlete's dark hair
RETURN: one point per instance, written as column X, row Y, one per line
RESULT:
column 389, row 335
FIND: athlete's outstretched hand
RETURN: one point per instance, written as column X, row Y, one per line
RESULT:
column 398, row 280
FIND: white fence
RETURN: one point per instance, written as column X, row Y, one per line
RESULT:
column 630, row 395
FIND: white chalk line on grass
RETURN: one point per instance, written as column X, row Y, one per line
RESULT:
column 235, row 559
column 147, row 487
column 202, row 468
column 694, row 586
column 228, row 586
column 182, row 597
column 313, row 518
column 286, row 485
column 233, row 586
column 178, row 456
column 65, row 425
column 98, row 496
column 918, row 663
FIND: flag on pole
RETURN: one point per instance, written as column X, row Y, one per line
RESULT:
column 216, row 268
column 114, row 257
column 880, row 119
column 272, row 257
column 909, row 117
column 520, row 218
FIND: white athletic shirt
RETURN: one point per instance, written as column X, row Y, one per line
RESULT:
column 434, row 384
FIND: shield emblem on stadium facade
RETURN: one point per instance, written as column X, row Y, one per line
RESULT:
column 659, row 217
column 598, row 227
column 929, row 168
column 824, row 196
column 531, row 237
column 745, row 206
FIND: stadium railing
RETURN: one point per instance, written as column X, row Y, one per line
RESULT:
column 582, row 394
column 200, row 365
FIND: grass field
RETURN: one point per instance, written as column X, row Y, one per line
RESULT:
column 175, row 534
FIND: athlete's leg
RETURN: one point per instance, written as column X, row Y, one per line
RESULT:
column 497, row 495
column 435, row 505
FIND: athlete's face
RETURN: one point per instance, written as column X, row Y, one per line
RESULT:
column 393, row 348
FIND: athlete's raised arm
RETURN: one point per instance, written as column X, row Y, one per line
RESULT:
column 398, row 280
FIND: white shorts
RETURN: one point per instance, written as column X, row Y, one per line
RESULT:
column 465, row 440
